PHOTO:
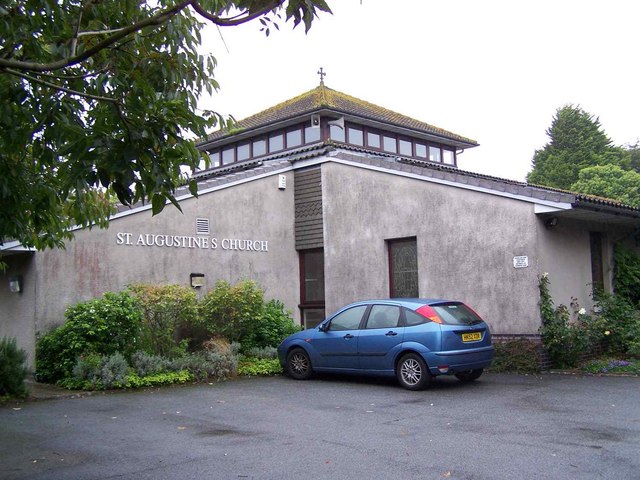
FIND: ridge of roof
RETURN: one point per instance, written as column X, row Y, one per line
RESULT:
column 325, row 97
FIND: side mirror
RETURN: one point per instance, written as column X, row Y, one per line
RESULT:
column 324, row 327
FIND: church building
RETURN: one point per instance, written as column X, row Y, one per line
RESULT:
column 326, row 199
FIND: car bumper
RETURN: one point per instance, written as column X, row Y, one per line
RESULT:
column 443, row 363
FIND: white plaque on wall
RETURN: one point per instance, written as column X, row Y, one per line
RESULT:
column 521, row 261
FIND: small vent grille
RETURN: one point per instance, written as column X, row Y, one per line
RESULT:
column 202, row 226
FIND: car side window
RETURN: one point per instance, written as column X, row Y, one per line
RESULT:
column 412, row 318
column 348, row 320
column 383, row 316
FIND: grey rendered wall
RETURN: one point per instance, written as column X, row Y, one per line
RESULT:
column 566, row 257
column 565, row 254
column 466, row 244
column 95, row 263
column 17, row 309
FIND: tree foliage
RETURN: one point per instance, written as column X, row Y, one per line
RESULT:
column 98, row 101
column 577, row 141
column 610, row 181
column 634, row 156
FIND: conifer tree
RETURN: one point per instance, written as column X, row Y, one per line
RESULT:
column 577, row 141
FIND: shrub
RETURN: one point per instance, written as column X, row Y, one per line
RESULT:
column 270, row 328
column 520, row 356
column 169, row 316
column 627, row 274
column 263, row 353
column 145, row 365
column 614, row 328
column 114, row 371
column 620, row 324
column 204, row 365
column 94, row 372
column 87, row 372
column 258, row 366
column 157, row 379
column 12, row 368
column 230, row 311
column 565, row 342
column 218, row 344
column 103, row 326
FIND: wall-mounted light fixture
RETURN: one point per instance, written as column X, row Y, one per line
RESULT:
column 282, row 182
column 197, row 280
column 15, row 284
column 551, row 222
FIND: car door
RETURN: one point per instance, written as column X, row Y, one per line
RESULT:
column 337, row 343
column 381, row 333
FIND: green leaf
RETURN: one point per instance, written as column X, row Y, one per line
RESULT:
column 158, row 203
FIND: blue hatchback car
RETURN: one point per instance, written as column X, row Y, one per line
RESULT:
column 411, row 339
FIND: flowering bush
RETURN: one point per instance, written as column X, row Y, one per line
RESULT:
column 565, row 343
column 614, row 329
column 621, row 322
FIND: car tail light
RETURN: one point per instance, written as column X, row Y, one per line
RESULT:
column 429, row 313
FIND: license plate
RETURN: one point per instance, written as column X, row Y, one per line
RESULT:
column 471, row 337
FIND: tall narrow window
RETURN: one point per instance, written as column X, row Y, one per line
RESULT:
column 356, row 136
column 259, row 147
column 311, row 134
column 373, row 140
column 294, row 138
column 276, row 143
column 597, row 270
column 405, row 147
column 312, row 287
column 403, row 268
column 389, row 144
column 448, row 157
column 228, row 155
column 434, row 154
column 336, row 133
column 244, row 151
column 215, row 159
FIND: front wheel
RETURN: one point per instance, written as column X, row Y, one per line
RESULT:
column 470, row 375
column 412, row 372
column 299, row 364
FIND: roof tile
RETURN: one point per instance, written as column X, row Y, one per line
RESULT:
column 323, row 97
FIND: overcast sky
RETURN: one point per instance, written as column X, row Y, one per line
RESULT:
column 494, row 70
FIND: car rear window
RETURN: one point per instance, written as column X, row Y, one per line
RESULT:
column 455, row 313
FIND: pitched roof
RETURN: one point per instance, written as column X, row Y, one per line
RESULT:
column 323, row 97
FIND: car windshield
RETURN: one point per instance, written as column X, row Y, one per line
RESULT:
column 456, row 314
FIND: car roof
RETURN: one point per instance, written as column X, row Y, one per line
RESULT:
column 412, row 303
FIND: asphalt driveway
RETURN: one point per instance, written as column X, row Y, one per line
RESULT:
column 502, row 427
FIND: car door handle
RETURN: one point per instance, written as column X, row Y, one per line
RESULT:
column 348, row 336
column 391, row 333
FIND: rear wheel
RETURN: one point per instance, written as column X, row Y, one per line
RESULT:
column 469, row 376
column 299, row 364
column 412, row 372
